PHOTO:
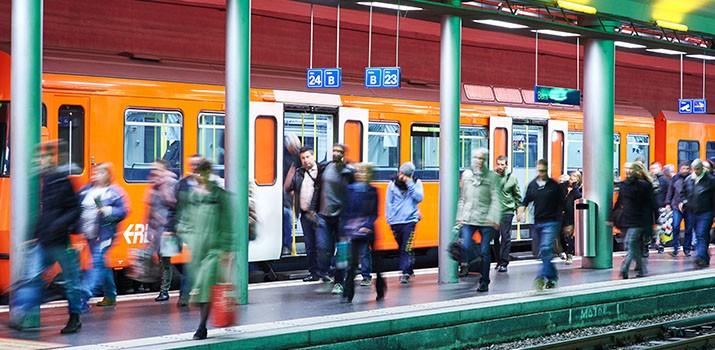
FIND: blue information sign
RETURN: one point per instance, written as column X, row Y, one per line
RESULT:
column 685, row 106
column 324, row 78
column 700, row 106
column 382, row 77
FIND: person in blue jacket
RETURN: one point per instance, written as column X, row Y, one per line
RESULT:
column 404, row 194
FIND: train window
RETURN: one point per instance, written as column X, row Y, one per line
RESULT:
column 265, row 148
column 688, row 151
column 70, row 129
column 353, row 141
column 425, row 151
column 710, row 150
column 313, row 130
column 471, row 138
column 151, row 135
column 383, row 149
column 43, row 120
column 617, row 157
column 638, row 147
column 211, row 139
column 4, row 139
column 575, row 151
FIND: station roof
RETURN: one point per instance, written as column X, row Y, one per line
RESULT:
column 649, row 24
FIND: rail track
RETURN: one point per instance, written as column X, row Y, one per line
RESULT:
column 692, row 333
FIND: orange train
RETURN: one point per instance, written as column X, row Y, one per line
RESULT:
column 132, row 122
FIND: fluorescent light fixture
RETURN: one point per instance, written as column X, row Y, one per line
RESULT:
column 389, row 6
column 666, row 51
column 702, row 57
column 502, row 24
column 577, row 7
column 555, row 33
column 629, row 45
column 671, row 25
column 472, row 3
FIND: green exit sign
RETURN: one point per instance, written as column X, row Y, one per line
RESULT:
column 550, row 94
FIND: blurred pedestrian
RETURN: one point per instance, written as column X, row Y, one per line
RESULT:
column 161, row 198
column 509, row 197
column 635, row 207
column 572, row 190
column 673, row 201
column 359, row 214
column 662, row 184
column 333, row 183
column 548, row 198
column 698, row 199
column 106, row 203
column 403, row 195
column 205, row 224
column 305, row 187
column 291, row 163
column 59, row 211
column 478, row 209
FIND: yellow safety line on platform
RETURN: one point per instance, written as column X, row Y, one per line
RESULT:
column 18, row 344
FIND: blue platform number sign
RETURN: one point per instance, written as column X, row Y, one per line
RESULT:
column 700, row 106
column 324, row 78
column 373, row 77
column 382, row 77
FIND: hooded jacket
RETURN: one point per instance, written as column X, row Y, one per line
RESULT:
column 401, row 206
column 59, row 209
column 509, row 193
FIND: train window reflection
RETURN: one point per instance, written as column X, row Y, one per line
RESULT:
column 710, row 150
column 211, row 139
column 4, row 139
column 575, row 151
column 638, row 146
column 70, row 128
column 314, row 130
column 425, row 151
column 617, row 157
column 383, row 149
column 688, row 151
column 151, row 135
column 470, row 139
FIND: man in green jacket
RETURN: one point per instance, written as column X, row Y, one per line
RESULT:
column 478, row 210
column 509, row 196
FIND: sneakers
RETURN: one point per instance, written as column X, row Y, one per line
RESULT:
column 550, row 284
column 562, row 256
column 541, row 284
column 326, row 285
column 107, row 302
column 501, row 268
column 311, row 278
column 163, row 296
column 569, row 259
column 674, row 253
column 73, row 325
column 463, row 270
column 483, row 287
column 405, row 278
column 337, row 289
column 366, row 282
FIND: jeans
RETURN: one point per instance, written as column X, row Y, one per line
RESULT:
column 546, row 233
column 634, row 247
column 309, row 236
column 404, row 235
column 99, row 275
column 362, row 249
column 27, row 291
column 678, row 217
column 287, row 228
column 357, row 248
column 328, row 234
column 487, row 232
column 701, row 225
column 503, row 248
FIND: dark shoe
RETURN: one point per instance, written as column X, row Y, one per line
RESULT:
column 201, row 334
column 661, row 250
column 73, row 325
column 311, row 278
column 405, row 279
column 366, row 282
column 624, row 275
column 502, row 268
column 463, row 270
column 688, row 254
column 483, row 287
column 700, row 263
column 182, row 302
column 380, row 288
column 674, row 253
column 163, row 296
column 550, row 284
column 107, row 302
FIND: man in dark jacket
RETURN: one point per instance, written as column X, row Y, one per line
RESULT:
column 59, row 211
column 698, row 195
column 672, row 202
column 305, row 187
column 661, row 185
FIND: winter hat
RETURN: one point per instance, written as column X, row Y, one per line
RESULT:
column 407, row 168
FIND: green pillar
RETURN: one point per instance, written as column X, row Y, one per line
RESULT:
column 238, row 70
column 598, row 113
column 449, row 99
column 25, row 112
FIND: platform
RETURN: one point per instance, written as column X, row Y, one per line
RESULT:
column 283, row 304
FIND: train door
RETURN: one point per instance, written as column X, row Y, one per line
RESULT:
column 352, row 132
column 265, row 145
column 558, row 129
column 527, row 148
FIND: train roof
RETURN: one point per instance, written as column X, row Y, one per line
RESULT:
column 674, row 116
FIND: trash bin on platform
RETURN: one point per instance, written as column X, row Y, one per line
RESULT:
column 585, row 212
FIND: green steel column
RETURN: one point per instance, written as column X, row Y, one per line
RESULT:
column 25, row 111
column 449, row 99
column 238, row 70
column 598, row 110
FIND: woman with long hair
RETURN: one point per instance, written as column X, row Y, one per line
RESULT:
column 633, row 214
column 572, row 190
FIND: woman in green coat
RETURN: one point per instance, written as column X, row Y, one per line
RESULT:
column 204, row 223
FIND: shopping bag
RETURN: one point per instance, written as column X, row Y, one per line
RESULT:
column 144, row 268
column 223, row 298
column 169, row 246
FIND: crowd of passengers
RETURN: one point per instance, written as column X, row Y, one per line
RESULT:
column 337, row 207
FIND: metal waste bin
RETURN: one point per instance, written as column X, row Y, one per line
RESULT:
column 585, row 227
